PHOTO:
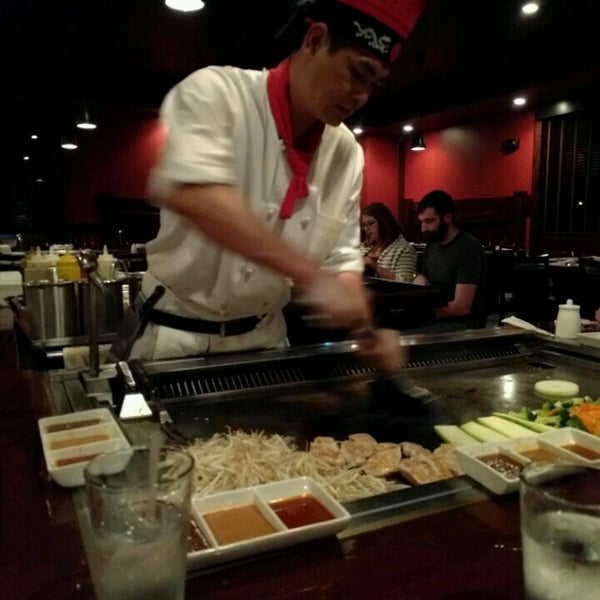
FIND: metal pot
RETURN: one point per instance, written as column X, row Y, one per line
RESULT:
column 51, row 309
column 109, row 309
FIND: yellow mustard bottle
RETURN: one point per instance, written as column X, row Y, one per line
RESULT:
column 68, row 268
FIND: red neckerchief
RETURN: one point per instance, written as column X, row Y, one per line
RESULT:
column 278, row 91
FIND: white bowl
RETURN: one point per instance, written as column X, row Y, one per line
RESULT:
column 469, row 458
column 261, row 496
column 71, row 441
column 555, row 441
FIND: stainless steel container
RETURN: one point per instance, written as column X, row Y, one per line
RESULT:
column 134, row 283
column 52, row 309
column 109, row 310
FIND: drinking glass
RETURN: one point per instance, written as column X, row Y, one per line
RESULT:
column 560, row 531
column 139, row 510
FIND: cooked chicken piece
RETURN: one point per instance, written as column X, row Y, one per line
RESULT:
column 422, row 469
column 354, row 453
column 366, row 441
column 444, row 455
column 328, row 450
column 410, row 449
column 383, row 462
column 386, row 445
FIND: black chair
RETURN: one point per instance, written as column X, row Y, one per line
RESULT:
column 589, row 286
column 499, row 267
column 530, row 290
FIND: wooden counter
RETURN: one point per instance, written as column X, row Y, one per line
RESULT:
column 471, row 552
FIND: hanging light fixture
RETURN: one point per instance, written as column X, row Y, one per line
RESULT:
column 418, row 143
column 85, row 121
column 68, row 143
column 185, row 5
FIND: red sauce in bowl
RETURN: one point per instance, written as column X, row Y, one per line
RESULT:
column 298, row 511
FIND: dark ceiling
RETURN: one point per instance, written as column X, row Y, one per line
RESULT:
column 462, row 54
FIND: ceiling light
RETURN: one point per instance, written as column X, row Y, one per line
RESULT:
column 26, row 158
column 68, row 143
column 34, row 136
column 407, row 128
column 519, row 101
column 418, row 143
column 358, row 130
column 85, row 121
column 185, row 5
column 530, row 8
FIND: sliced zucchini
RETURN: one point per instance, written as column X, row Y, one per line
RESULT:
column 535, row 427
column 508, row 428
column 454, row 435
column 483, row 433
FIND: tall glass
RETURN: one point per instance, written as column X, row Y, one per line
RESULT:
column 560, row 530
column 139, row 510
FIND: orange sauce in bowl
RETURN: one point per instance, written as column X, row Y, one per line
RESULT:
column 537, row 454
column 583, row 451
column 298, row 511
column 237, row 523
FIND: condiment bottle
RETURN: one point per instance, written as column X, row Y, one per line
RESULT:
column 568, row 320
column 38, row 267
column 106, row 265
column 68, row 268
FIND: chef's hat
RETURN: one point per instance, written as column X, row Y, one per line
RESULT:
column 379, row 27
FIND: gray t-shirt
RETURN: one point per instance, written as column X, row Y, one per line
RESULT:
column 460, row 261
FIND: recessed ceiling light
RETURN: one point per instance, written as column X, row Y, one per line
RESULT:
column 26, row 158
column 185, row 5
column 69, row 145
column 530, row 8
column 358, row 130
column 34, row 136
column 407, row 128
column 519, row 101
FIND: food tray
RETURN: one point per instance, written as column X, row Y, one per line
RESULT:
column 262, row 497
column 71, row 441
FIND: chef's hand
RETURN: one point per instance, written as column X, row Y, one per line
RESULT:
column 382, row 349
column 337, row 301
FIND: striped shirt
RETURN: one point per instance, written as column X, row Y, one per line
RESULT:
column 399, row 257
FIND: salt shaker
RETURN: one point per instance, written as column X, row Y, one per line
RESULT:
column 568, row 321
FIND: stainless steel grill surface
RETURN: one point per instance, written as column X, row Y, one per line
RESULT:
column 329, row 390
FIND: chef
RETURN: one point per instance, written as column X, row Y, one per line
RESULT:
column 259, row 186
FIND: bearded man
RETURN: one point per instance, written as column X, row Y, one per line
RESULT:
column 454, row 262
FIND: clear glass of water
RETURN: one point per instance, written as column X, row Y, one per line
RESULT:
column 560, row 531
column 138, row 502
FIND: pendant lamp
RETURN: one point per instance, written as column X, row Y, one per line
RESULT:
column 418, row 143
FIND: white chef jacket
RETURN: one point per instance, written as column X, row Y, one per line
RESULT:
column 221, row 131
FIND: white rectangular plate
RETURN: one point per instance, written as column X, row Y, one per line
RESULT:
column 262, row 495
column 92, row 431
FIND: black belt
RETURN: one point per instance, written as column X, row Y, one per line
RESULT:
column 221, row 328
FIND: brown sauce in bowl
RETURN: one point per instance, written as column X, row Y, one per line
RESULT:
column 502, row 464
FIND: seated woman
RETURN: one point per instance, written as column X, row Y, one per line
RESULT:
column 386, row 252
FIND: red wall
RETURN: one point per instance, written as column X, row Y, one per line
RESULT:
column 114, row 159
column 381, row 175
column 466, row 161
